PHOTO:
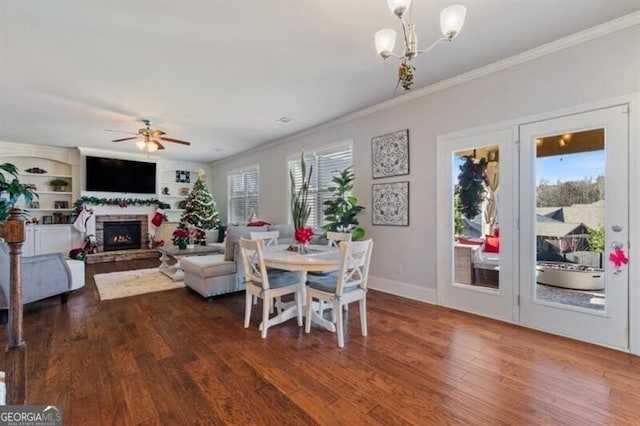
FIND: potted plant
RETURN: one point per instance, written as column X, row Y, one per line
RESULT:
column 11, row 190
column 341, row 212
column 181, row 238
column 59, row 185
column 300, row 207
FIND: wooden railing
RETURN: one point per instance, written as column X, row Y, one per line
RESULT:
column 13, row 232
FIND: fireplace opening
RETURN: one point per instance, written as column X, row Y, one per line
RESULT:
column 122, row 235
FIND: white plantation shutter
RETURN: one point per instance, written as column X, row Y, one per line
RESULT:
column 326, row 163
column 243, row 194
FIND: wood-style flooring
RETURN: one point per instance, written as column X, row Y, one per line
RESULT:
column 175, row 358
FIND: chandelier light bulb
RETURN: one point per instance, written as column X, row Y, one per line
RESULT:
column 152, row 147
column 141, row 144
column 385, row 42
column 452, row 19
column 399, row 7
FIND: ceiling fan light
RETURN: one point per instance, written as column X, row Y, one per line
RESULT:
column 141, row 144
column 399, row 7
column 385, row 42
column 452, row 20
column 152, row 147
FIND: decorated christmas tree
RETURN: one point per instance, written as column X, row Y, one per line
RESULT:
column 200, row 212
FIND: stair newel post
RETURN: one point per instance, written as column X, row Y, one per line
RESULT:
column 16, row 353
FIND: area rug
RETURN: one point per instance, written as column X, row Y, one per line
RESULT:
column 116, row 285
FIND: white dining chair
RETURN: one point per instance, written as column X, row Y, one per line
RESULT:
column 349, row 286
column 267, row 284
column 270, row 237
column 334, row 239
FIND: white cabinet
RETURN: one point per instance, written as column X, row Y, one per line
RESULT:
column 41, row 239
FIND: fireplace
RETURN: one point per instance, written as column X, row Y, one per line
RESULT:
column 142, row 222
column 122, row 235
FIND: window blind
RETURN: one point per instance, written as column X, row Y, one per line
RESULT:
column 326, row 163
column 243, row 193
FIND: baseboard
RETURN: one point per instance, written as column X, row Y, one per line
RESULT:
column 410, row 291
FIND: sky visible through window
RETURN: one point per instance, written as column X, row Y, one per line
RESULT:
column 570, row 167
column 563, row 168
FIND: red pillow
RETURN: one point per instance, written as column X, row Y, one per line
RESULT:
column 470, row 241
column 258, row 223
column 491, row 244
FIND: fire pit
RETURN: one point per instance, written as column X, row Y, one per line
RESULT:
column 570, row 275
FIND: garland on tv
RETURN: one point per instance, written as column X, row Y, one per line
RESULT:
column 120, row 202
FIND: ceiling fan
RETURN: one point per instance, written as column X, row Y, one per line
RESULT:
column 149, row 139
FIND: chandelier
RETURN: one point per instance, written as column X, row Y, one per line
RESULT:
column 451, row 21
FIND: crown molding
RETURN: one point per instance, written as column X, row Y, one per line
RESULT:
column 593, row 33
column 598, row 31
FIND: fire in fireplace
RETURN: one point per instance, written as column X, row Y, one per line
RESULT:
column 122, row 235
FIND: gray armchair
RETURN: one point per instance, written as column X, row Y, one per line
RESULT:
column 43, row 276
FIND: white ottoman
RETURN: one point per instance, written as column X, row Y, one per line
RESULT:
column 77, row 273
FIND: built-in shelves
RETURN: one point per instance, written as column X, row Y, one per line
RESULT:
column 50, row 205
column 176, row 183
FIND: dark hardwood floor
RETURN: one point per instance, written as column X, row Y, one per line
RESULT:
column 175, row 358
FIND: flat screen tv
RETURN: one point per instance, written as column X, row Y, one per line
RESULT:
column 114, row 175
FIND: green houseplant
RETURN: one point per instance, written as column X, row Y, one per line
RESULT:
column 11, row 190
column 300, row 207
column 59, row 184
column 342, row 211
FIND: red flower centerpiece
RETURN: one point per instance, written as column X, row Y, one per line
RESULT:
column 303, row 236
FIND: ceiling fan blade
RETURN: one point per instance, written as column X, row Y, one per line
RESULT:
column 125, row 139
column 164, row 138
column 158, row 144
column 155, row 133
column 119, row 131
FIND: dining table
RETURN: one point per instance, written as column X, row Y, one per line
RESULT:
column 317, row 258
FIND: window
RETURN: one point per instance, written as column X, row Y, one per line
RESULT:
column 326, row 163
column 243, row 193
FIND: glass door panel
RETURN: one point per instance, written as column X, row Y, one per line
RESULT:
column 475, row 188
column 570, row 218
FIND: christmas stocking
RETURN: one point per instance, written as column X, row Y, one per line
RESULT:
column 158, row 217
column 80, row 221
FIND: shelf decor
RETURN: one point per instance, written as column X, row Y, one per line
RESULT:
column 390, row 204
column 390, row 154
column 183, row 176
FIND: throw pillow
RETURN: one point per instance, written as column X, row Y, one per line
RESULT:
column 258, row 223
column 491, row 244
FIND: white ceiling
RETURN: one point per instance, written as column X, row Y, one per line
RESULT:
column 220, row 73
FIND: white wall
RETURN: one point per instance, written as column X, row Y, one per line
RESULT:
column 404, row 259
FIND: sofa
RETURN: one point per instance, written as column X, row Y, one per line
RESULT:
column 217, row 274
column 43, row 276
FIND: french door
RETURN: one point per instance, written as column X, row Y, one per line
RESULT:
column 574, row 204
column 472, row 277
